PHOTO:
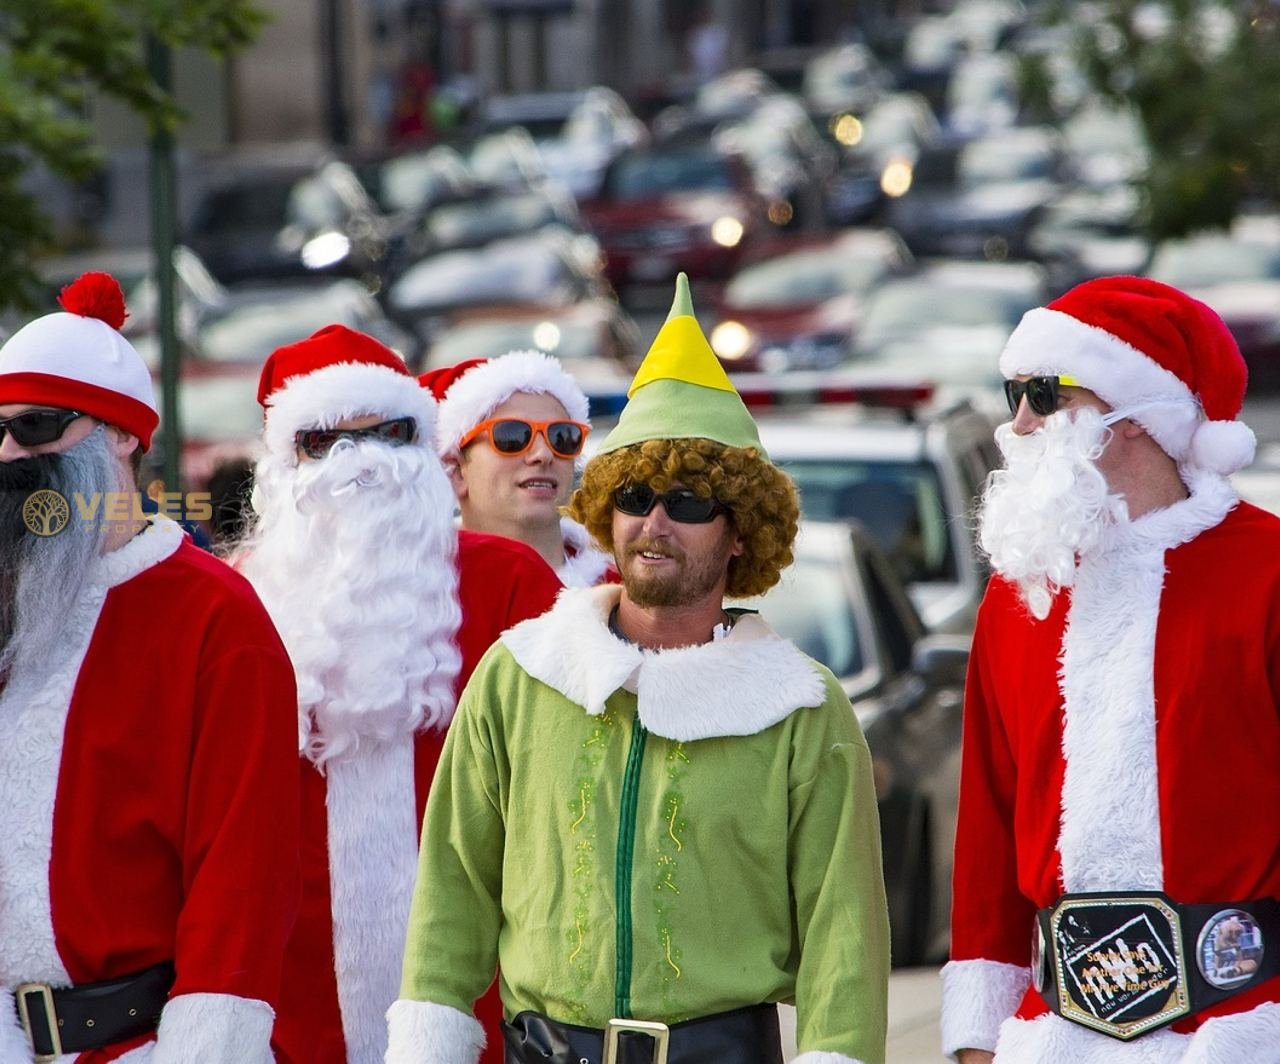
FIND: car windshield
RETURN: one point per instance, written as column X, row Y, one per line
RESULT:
column 804, row 277
column 418, row 180
column 810, row 606
column 1214, row 260
column 900, row 503
column 219, row 409
column 250, row 333
column 262, row 205
column 1003, row 159
column 499, row 274
column 904, row 309
column 651, row 174
column 484, row 220
column 485, row 339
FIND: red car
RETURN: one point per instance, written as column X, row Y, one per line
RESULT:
column 673, row 207
column 799, row 304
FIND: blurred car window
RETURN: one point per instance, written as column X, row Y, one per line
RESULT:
column 524, row 272
column 811, row 607
column 644, row 175
column 804, row 277
column 1211, row 260
column 904, row 307
column 569, row 342
column 220, row 409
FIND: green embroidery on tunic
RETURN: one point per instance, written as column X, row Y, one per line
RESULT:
column 582, row 826
column 666, row 889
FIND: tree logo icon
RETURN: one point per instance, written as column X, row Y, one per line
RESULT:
column 46, row 512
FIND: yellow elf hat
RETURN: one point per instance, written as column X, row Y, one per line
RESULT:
column 681, row 390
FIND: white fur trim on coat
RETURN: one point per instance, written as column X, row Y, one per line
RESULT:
column 1051, row 342
column 345, row 390
column 1110, row 833
column 585, row 564
column 822, row 1057
column 373, row 856
column 34, row 707
column 977, row 997
column 421, row 1032
column 739, row 685
column 14, row 1047
column 479, row 391
column 1243, row 1038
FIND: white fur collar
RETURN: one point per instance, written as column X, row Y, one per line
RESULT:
column 150, row 547
column 584, row 563
column 739, row 685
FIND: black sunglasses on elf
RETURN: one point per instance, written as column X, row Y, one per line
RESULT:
column 1041, row 393
column 316, row 443
column 34, row 428
column 681, row 504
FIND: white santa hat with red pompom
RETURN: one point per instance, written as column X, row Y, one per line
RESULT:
column 76, row 359
column 471, row 396
column 1143, row 345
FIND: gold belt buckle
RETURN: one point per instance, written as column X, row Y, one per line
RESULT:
column 45, row 991
column 659, row 1032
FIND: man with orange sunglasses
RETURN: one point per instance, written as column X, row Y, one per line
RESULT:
column 511, row 433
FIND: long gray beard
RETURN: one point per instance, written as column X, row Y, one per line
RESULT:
column 41, row 577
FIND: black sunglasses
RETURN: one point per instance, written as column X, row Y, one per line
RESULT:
column 32, row 428
column 681, row 504
column 316, row 443
column 1041, row 393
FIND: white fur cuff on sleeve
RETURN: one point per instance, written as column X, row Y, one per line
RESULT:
column 421, row 1032
column 214, row 1029
column 13, row 1042
column 818, row 1056
column 977, row 996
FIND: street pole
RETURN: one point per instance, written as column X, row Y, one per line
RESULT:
column 163, row 225
column 334, row 72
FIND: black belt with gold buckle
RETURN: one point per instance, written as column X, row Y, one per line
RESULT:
column 743, row 1036
column 92, row 1015
column 1119, row 963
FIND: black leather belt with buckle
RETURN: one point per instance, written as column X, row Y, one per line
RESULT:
column 1121, row 964
column 78, row 1018
column 742, row 1036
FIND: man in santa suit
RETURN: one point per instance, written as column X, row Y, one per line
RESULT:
column 385, row 608
column 1133, row 629
column 510, row 433
column 148, row 805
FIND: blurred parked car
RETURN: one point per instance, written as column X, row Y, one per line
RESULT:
column 1090, row 232
column 1238, row 275
column 842, row 604
column 681, row 206
column 596, row 340
column 577, row 133
column 982, row 198
column 947, row 324
column 912, row 483
column 531, row 271
column 982, row 95
column 483, row 219
column 846, row 79
column 508, row 160
column 799, row 305
column 287, row 221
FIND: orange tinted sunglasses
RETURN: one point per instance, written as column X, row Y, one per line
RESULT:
column 513, row 435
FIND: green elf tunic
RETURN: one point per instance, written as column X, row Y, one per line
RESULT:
column 652, row 835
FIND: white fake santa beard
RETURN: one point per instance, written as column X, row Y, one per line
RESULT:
column 353, row 556
column 41, row 577
column 1049, row 505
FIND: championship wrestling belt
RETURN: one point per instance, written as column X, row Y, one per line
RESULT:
column 1118, row 963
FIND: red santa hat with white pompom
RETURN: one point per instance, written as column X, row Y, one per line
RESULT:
column 1140, row 344
column 76, row 359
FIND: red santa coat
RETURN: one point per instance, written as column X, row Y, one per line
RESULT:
column 361, row 824
column 1130, row 741
column 135, row 772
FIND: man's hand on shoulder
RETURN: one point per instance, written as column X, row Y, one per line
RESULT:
column 974, row 1056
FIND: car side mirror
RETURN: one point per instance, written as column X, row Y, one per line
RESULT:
column 942, row 660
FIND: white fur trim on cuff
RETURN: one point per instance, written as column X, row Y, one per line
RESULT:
column 475, row 395
column 347, row 389
column 977, row 996
column 819, row 1056
column 422, row 1032
column 1051, row 342
column 214, row 1029
column 14, row 1048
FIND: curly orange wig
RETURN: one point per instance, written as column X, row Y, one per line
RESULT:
column 762, row 499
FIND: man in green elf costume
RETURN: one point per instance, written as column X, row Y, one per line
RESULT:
column 654, row 815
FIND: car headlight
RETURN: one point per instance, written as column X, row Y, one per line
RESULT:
column 846, row 129
column 727, row 231
column 895, row 178
column 324, row 250
column 731, row 340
